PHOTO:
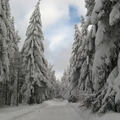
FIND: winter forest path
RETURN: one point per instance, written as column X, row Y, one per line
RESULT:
column 55, row 110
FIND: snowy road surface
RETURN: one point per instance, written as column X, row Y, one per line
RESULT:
column 55, row 110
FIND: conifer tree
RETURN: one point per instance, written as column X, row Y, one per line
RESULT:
column 86, row 60
column 65, row 85
column 73, row 62
column 80, row 56
column 14, row 64
column 51, row 82
column 82, row 51
column 105, row 73
column 89, row 4
column 34, row 63
column 6, row 44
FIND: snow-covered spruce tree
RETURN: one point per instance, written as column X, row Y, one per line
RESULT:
column 14, row 58
column 105, row 72
column 51, row 82
column 34, row 63
column 6, row 40
column 86, row 51
column 86, row 58
column 14, row 64
column 81, row 54
column 89, row 4
column 65, row 83
column 74, row 74
column 100, row 15
column 84, row 63
column 58, row 89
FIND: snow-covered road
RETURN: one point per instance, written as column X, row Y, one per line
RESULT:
column 55, row 110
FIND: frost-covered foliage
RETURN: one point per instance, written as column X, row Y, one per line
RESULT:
column 105, row 19
column 35, row 81
column 14, row 57
column 94, row 65
column 89, row 4
column 78, row 77
column 35, row 65
column 4, row 23
column 85, row 79
column 8, row 47
column 65, row 86
column 83, row 61
column 115, row 13
column 74, row 73
column 51, row 82
column 104, row 43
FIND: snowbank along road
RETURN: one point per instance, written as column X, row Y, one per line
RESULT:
column 55, row 110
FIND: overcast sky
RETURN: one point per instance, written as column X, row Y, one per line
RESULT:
column 58, row 18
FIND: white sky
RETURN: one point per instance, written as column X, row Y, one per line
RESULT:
column 58, row 26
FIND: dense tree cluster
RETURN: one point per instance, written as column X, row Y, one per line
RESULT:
column 92, row 75
column 94, row 66
column 26, row 76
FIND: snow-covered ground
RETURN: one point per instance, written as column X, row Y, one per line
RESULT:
column 53, row 110
column 14, row 112
column 56, row 109
column 87, row 115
